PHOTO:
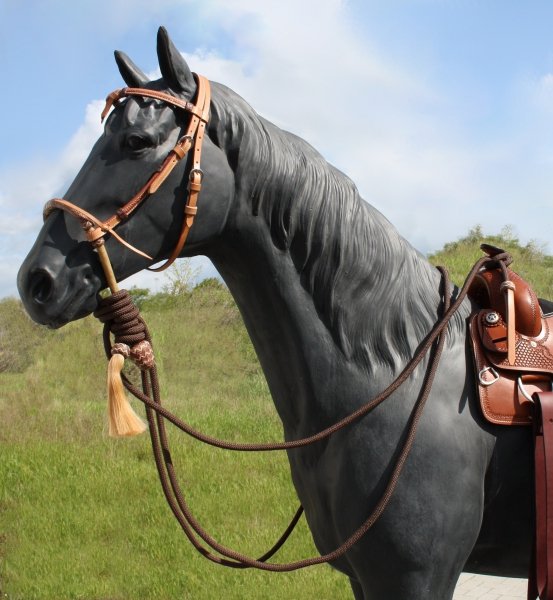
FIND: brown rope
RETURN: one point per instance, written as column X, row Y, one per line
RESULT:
column 362, row 411
column 121, row 317
column 245, row 561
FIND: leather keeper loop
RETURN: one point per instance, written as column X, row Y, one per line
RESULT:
column 190, row 210
column 180, row 151
column 194, row 187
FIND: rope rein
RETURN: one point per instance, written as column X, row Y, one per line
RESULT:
column 121, row 318
column 132, row 338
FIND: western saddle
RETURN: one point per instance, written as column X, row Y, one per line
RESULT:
column 512, row 342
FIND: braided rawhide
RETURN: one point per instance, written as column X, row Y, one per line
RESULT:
column 122, row 318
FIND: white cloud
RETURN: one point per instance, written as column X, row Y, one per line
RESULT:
column 544, row 91
column 365, row 113
column 26, row 186
column 80, row 144
column 306, row 67
column 41, row 178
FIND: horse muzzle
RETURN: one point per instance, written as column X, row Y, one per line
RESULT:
column 54, row 290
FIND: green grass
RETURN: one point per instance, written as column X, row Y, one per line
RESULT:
column 83, row 516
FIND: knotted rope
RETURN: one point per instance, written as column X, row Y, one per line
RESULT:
column 122, row 318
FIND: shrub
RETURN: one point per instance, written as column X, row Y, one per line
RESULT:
column 530, row 261
column 19, row 337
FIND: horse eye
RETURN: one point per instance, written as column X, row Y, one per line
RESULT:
column 135, row 142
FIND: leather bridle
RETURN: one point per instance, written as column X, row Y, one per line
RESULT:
column 95, row 229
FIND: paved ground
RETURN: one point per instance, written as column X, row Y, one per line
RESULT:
column 480, row 587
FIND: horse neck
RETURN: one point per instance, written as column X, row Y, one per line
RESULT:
column 318, row 326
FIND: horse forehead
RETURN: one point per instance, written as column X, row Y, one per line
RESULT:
column 151, row 114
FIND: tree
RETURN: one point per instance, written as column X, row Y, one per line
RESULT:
column 180, row 277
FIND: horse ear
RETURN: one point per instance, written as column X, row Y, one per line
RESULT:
column 131, row 74
column 174, row 70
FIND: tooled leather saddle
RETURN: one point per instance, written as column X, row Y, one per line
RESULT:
column 506, row 384
column 512, row 342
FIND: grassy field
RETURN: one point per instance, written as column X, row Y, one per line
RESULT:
column 82, row 516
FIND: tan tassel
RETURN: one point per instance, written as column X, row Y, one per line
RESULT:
column 123, row 421
column 508, row 287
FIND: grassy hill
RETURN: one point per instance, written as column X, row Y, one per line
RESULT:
column 530, row 261
column 82, row 516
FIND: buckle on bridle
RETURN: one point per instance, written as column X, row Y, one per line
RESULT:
column 194, row 171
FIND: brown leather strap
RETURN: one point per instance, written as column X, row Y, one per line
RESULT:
column 98, row 229
column 508, row 288
column 540, row 582
column 114, row 97
column 196, row 174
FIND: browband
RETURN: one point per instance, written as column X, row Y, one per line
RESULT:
column 114, row 97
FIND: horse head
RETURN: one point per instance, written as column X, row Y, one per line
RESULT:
column 61, row 277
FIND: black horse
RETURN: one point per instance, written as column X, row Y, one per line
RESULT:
column 336, row 302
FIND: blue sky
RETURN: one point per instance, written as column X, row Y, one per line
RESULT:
column 440, row 110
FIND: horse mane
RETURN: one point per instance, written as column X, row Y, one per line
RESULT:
column 374, row 292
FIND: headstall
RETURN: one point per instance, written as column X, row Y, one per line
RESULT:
column 95, row 229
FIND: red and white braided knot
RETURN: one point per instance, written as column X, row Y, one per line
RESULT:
column 141, row 353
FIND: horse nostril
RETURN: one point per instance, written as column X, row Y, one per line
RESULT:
column 87, row 274
column 42, row 286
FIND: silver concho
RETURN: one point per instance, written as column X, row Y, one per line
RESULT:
column 492, row 318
